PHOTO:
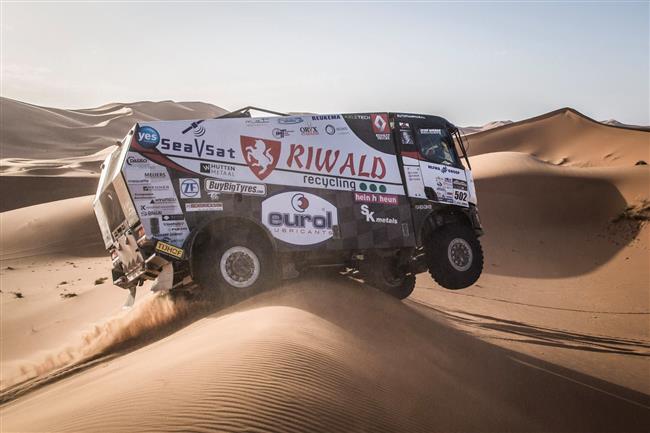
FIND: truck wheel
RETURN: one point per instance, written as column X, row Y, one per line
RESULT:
column 384, row 274
column 454, row 256
column 236, row 266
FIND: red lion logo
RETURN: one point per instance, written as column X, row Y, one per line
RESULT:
column 261, row 155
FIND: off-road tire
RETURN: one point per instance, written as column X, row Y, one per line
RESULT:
column 439, row 256
column 383, row 274
column 209, row 269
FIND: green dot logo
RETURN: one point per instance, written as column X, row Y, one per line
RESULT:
column 363, row 187
column 382, row 188
column 373, row 187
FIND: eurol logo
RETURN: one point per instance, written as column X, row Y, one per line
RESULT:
column 299, row 218
column 147, row 137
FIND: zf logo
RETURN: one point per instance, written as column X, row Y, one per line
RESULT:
column 190, row 188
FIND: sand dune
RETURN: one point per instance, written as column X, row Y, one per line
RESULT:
column 60, row 226
column 553, row 337
column 31, row 131
column 566, row 137
column 55, row 154
column 544, row 221
column 322, row 359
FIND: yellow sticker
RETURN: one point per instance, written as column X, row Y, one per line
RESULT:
column 169, row 249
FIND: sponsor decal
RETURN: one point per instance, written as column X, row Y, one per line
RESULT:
column 430, row 131
column 370, row 216
column 444, row 169
column 260, row 155
column 190, row 188
column 329, row 161
column 379, row 123
column 326, row 117
column 365, row 197
column 410, row 116
column 459, row 184
column 257, row 121
column 168, row 249
column 133, row 160
column 329, row 182
column 372, row 187
column 407, row 137
column 158, row 206
column 147, row 137
column 330, row 129
column 281, row 132
column 203, row 207
column 413, row 174
column 299, row 202
column 299, row 218
column 224, row 186
column 380, row 126
column 198, row 148
column 196, row 127
column 176, row 217
column 357, row 116
column 157, row 187
column 308, row 130
column 217, row 169
column 155, row 174
column 289, row 120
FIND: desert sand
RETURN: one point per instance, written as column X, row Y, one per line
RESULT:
column 555, row 336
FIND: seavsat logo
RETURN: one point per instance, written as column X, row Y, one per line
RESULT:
column 260, row 155
column 299, row 218
column 147, row 137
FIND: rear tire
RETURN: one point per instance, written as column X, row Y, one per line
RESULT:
column 385, row 274
column 235, row 267
column 454, row 256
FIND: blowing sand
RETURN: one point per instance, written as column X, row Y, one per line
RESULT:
column 555, row 336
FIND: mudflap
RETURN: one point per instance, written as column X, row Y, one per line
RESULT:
column 165, row 280
column 130, row 298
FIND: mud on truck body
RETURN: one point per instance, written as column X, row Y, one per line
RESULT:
column 237, row 203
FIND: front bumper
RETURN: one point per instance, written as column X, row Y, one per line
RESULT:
column 133, row 263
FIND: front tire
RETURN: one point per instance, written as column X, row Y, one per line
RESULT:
column 454, row 256
column 236, row 266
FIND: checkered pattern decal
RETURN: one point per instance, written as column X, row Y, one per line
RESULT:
column 356, row 231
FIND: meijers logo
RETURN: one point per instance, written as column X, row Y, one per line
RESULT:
column 299, row 218
column 147, row 137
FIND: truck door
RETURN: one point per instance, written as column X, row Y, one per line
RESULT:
column 442, row 172
column 405, row 139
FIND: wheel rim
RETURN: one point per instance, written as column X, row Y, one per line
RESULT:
column 460, row 254
column 240, row 267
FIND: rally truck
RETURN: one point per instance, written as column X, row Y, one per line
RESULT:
column 237, row 203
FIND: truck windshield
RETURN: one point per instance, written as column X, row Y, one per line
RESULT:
column 436, row 145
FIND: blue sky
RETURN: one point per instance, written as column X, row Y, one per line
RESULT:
column 470, row 62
